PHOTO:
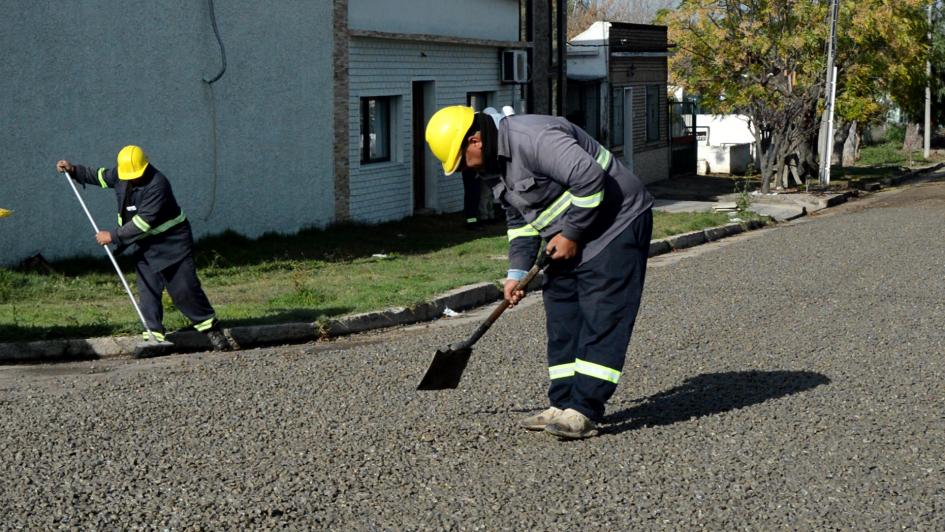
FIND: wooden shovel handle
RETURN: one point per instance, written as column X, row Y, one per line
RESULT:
column 540, row 263
column 524, row 282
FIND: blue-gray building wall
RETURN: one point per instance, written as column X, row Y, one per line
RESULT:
column 83, row 78
column 473, row 19
column 384, row 191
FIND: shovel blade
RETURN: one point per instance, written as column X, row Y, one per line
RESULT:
column 446, row 370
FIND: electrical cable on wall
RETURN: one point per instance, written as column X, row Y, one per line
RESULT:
column 213, row 110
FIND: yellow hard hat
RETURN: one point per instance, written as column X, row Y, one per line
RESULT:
column 131, row 163
column 446, row 132
column 5, row 212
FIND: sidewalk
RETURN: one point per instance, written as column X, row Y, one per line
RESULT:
column 703, row 193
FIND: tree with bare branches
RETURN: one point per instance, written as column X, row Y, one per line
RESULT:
column 583, row 13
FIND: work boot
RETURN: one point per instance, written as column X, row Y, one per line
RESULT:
column 234, row 345
column 540, row 420
column 572, row 425
column 218, row 340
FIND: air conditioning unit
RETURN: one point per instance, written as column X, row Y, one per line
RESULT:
column 514, row 66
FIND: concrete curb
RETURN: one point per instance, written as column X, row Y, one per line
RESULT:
column 703, row 236
column 870, row 185
column 460, row 299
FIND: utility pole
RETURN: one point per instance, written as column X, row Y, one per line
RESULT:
column 826, row 128
column 928, row 92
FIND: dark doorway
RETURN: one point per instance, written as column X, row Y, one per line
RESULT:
column 685, row 148
column 422, row 91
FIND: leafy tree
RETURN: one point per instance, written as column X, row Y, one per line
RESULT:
column 911, row 98
column 766, row 59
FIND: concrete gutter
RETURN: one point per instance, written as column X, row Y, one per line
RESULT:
column 460, row 299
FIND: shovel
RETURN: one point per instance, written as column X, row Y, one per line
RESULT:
column 153, row 347
column 448, row 364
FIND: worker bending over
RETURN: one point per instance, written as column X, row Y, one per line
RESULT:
column 556, row 182
column 150, row 218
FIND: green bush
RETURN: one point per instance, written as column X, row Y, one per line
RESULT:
column 895, row 133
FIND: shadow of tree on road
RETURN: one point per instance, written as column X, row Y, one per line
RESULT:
column 711, row 393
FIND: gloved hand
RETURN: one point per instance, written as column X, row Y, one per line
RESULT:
column 65, row 166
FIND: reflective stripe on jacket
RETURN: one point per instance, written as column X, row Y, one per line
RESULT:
column 148, row 214
column 559, row 179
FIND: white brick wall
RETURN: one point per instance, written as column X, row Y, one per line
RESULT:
column 381, row 67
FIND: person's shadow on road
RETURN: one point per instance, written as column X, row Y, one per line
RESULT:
column 711, row 393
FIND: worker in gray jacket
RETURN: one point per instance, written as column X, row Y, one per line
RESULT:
column 559, row 184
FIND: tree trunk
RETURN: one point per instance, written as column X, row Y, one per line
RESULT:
column 762, row 158
column 849, row 146
column 913, row 138
column 807, row 156
column 859, row 144
column 839, row 140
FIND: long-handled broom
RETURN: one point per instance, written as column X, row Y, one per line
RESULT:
column 152, row 347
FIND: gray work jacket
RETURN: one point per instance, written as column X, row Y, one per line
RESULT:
column 558, row 179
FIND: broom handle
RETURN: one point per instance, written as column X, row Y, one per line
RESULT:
column 112, row 257
column 539, row 265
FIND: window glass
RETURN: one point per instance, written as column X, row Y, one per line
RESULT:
column 616, row 122
column 477, row 100
column 375, row 129
column 653, row 105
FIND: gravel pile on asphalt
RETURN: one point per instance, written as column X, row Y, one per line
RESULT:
column 793, row 379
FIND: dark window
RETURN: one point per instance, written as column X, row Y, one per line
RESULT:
column 653, row 106
column 477, row 100
column 375, row 129
column 616, row 118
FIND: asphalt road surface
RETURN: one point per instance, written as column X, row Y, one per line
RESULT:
column 789, row 378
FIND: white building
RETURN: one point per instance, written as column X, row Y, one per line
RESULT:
column 726, row 144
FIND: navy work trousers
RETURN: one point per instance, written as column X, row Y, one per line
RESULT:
column 182, row 284
column 590, row 312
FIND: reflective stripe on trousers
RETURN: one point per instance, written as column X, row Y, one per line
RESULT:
column 584, row 367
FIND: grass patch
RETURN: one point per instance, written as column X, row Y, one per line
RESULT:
column 309, row 276
column 673, row 223
column 882, row 160
column 887, row 154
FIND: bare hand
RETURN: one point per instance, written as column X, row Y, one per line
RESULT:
column 561, row 248
column 104, row 238
column 512, row 295
column 65, row 166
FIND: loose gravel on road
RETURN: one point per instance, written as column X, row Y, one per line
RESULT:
column 792, row 378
